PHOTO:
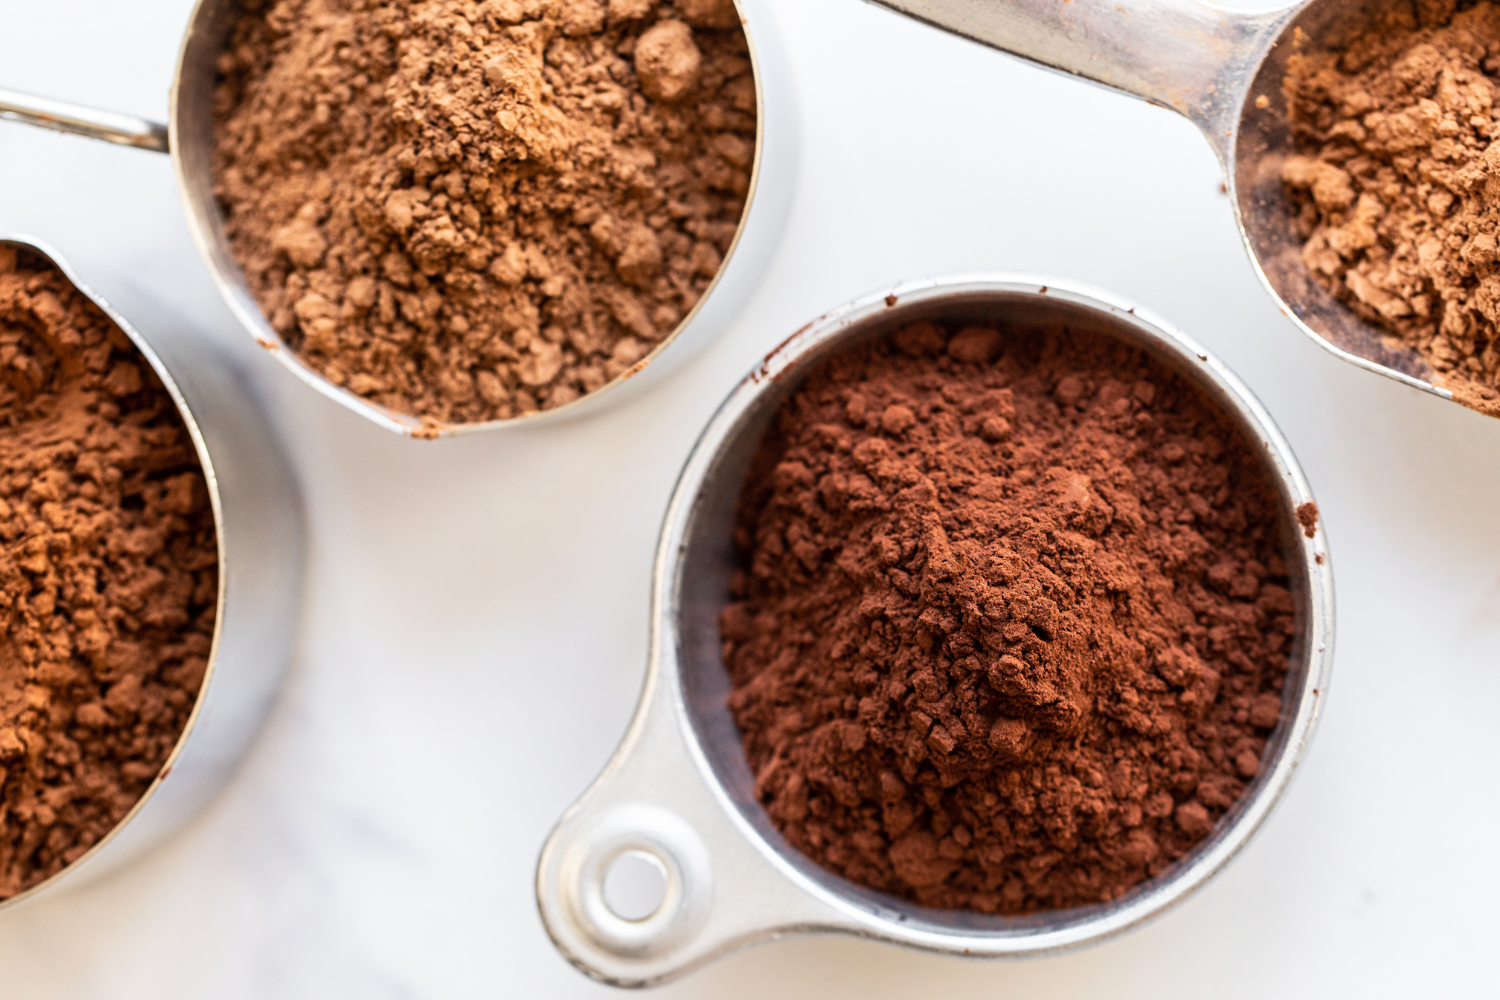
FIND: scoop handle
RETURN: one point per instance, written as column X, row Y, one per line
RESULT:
column 1181, row 54
column 60, row 116
column 720, row 893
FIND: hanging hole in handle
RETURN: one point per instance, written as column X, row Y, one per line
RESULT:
column 635, row 885
column 660, row 853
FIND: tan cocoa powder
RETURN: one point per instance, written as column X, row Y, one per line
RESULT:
column 1397, row 185
column 109, row 575
column 472, row 211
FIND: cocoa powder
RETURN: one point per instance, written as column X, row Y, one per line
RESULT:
column 1397, row 187
column 471, row 211
column 1013, row 623
column 109, row 580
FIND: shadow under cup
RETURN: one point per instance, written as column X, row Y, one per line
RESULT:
column 707, row 558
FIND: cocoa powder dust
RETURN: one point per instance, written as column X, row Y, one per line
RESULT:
column 1012, row 625
column 1397, row 187
column 472, row 211
column 109, row 581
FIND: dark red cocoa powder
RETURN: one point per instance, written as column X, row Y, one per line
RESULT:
column 1012, row 625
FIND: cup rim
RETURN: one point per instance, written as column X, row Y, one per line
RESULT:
column 886, row 917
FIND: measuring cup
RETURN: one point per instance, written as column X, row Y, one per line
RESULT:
column 1223, row 70
column 189, row 140
column 678, row 792
column 258, row 520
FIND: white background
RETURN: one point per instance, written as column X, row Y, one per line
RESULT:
column 475, row 625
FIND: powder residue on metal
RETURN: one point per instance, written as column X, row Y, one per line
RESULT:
column 1307, row 516
column 763, row 371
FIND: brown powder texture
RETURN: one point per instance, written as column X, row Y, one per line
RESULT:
column 472, row 211
column 109, row 579
column 1013, row 625
column 1307, row 516
column 1398, row 186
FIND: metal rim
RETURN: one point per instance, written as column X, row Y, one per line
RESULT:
column 211, row 481
column 206, row 228
column 1156, row 895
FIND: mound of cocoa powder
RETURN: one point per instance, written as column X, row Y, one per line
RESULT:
column 1398, row 184
column 1012, row 625
column 471, row 211
column 109, row 581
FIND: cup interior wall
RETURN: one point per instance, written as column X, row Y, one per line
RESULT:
column 1262, row 146
column 707, row 558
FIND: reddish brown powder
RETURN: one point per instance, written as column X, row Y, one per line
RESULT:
column 108, row 583
column 1307, row 516
column 1013, row 626
column 1398, row 187
column 471, row 211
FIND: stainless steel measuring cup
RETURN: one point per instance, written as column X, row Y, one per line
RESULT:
column 679, row 791
column 189, row 140
column 258, row 520
column 1223, row 70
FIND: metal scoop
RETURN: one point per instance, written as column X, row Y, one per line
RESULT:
column 679, row 791
column 258, row 518
column 1223, row 70
column 189, row 140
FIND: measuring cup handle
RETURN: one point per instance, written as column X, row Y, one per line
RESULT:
column 1181, row 54
column 126, row 130
column 719, row 892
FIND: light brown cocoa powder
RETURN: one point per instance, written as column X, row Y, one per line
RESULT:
column 108, row 573
column 472, row 211
column 1397, row 183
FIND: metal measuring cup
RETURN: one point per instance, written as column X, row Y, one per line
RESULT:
column 1222, row 69
column 189, row 140
column 678, row 791
column 258, row 522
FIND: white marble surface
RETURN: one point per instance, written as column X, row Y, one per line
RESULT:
column 476, row 621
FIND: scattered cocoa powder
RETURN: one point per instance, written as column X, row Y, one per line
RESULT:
column 1012, row 625
column 109, row 580
column 1398, row 187
column 470, row 211
column 1307, row 516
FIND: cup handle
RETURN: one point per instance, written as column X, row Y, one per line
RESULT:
column 126, row 130
column 1181, row 54
column 721, row 891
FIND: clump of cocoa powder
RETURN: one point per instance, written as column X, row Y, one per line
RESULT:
column 1013, row 623
column 471, row 211
column 1398, row 183
column 109, row 581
